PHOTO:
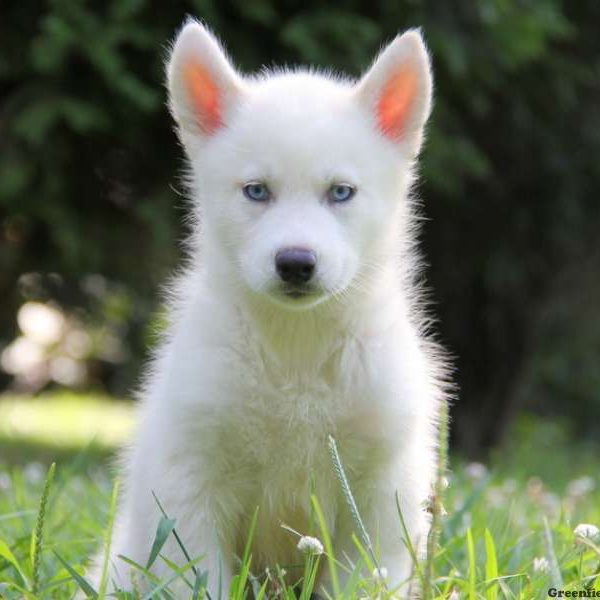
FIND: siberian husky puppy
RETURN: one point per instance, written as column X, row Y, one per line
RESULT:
column 298, row 317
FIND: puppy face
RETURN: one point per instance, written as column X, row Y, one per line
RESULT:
column 300, row 178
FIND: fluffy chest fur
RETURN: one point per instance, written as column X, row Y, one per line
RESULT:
column 249, row 397
column 257, row 418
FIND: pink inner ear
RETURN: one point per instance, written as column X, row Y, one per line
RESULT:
column 205, row 96
column 396, row 101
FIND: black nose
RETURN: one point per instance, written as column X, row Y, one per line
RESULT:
column 295, row 265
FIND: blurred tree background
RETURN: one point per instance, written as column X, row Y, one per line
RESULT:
column 91, row 206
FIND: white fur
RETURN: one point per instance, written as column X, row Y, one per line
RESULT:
column 239, row 401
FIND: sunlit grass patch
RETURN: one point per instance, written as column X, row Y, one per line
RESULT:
column 66, row 420
column 62, row 424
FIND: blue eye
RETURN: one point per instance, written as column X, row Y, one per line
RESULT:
column 257, row 191
column 340, row 192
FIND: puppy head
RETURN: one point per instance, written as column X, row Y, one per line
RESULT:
column 301, row 178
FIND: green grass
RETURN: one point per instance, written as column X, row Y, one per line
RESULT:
column 499, row 520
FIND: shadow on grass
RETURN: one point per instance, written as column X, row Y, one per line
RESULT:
column 18, row 452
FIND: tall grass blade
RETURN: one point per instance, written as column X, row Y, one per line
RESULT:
column 238, row 591
column 164, row 529
column 37, row 536
column 472, row 566
column 175, row 568
column 140, row 568
column 491, row 566
column 162, row 588
column 176, row 536
column 436, row 504
column 341, row 475
column 108, row 543
column 6, row 554
column 556, row 577
column 200, row 584
column 331, row 562
column 179, row 542
column 410, row 547
column 311, row 567
column 83, row 583
column 363, row 553
column 262, row 593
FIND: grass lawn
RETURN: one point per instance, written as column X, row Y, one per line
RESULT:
column 508, row 531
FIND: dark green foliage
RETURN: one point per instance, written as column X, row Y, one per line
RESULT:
column 89, row 170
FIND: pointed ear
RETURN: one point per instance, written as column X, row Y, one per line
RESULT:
column 396, row 90
column 203, row 86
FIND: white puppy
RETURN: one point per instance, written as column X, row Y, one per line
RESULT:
column 298, row 317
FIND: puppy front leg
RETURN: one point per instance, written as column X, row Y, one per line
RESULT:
column 390, row 539
column 216, row 560
column 195, row 526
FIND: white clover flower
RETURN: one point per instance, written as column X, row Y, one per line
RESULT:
column 5, row 481
column 380, row 574
column 535, row 488
column 586, row 531
column 551, row 503
column 34, row 472
column 454, row 595
column 581, row 487
column 541, row 564
column 310, row 545
column 476, row 470
column 496, row 497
